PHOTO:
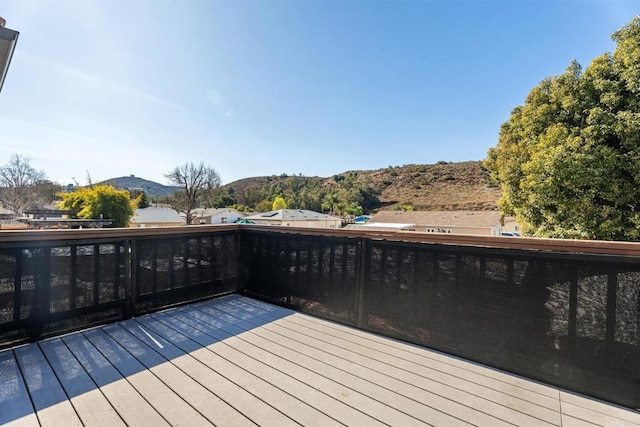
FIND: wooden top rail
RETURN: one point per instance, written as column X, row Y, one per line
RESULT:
column 631, row 249
column 500, row 242
column 34, row 236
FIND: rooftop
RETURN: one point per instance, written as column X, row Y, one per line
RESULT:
column 441, row 218
column 292, row 215
column 156, row 215
column 238, row 361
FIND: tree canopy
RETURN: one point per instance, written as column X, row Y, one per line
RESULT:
column 568, row 160
column 96, row 201
column 279, row 203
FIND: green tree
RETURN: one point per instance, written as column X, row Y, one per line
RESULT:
column 100, row 201
column 220, row 197
column 279, row 203
column 352, row 208
column 331, row 203
column 196, row 183
column 141, row 199
column 240, row 208
column 264, row 206
column 568, row 160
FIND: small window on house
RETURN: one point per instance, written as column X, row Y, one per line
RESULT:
column 223, row 220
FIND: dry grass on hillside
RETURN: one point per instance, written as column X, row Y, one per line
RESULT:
column 443, row 186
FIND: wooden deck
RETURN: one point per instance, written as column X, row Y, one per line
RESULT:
column 236, row 361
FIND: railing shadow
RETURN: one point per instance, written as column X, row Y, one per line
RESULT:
column 41, row 375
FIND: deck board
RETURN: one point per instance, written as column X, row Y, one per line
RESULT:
column 15, row 405
column 241, row 362
column 90, row 404
column 49, row 399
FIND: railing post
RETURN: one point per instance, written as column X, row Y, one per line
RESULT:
column 17, row 286
column 41, row 259
column 610, row 334
column 573, row 309
column 361, row 256
column 130, row 277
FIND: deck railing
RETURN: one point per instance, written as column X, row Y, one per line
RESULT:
column 56, row 281
column 564, row 312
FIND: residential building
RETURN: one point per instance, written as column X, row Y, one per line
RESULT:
column 489, row 223
column 296, row 218
column 156, row 217
column 216, row 216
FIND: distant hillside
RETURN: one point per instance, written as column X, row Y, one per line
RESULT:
column 132, row 182
column 443, row 186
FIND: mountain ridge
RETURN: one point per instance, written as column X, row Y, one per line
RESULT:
column 132, row 182
column 440, row 186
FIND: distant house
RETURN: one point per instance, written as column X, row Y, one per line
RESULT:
column 216, row 216
column 156, row 217
column 6, row 214
column 296, row 218
column 52, row 217
column 450, row 222
column 8, row 224
column 48, row 213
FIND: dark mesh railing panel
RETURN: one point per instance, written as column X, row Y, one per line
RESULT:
column 53, row 286
column 551, row 319
column 46, row 289
column 310, row 273
column 179, row 269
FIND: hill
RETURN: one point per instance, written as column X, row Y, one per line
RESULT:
column 443, row 186
column 133, row 182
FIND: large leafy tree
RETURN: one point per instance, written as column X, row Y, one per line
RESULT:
column 22, row 186
column 101, row 201
column 196, row 182
column 568, row 160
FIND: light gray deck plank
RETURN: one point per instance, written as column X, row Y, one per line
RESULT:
column 126, row 400
column 184, row 335
column 378, row 385
column 257, row 410
column 497, row 404
column 199, row 396
column 343, row 403
column 583, row 404
column 408, row 351
column 49, row 399
column 90, row 404
column 367, row 395
column 464, row 379
column 164, row 400
column 596, row 417
column 15, row 405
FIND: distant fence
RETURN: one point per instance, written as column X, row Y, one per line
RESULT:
column 55, row 281
column 565, row 318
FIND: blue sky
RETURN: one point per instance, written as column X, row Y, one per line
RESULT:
column 254, row 88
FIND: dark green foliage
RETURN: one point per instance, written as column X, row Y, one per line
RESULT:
column 568, row 160
column 299, row 192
